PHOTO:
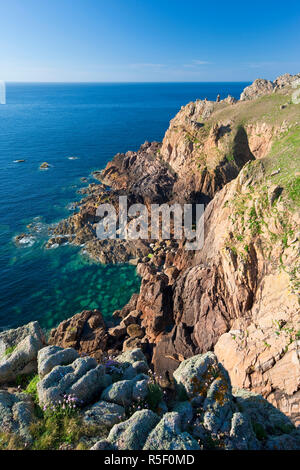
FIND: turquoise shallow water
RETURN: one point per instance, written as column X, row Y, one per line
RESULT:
column 50, row 122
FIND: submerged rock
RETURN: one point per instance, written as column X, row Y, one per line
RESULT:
column 44, row 166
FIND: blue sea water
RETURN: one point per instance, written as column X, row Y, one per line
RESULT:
column 50, row 122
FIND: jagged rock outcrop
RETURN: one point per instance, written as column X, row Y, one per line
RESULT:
column 205, row 153
column 259, row 87
column 238, row 294
column 134, row 413
column 243, row 421
column 141, row 174
column 86, row 332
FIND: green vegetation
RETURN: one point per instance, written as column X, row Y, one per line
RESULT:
column 259, row 431
column 57, row 430
column 285, row 156
column 23, row 380
column 9, row 351
column 9, row 441
column 31, row 388
column 155, row 396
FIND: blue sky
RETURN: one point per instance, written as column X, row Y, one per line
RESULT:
column 148, row 40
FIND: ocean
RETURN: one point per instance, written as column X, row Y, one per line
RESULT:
column 52, row 122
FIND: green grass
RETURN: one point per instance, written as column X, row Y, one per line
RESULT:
column 31, row 388
column 9, row 351
column 53, row 431
column 285, row 155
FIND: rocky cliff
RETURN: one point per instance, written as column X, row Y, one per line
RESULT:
column 238, row 295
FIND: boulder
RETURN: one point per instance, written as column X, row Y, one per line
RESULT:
column 167, row 435
column 186, row 412
column 85, row 332
column 195, row 375
column 104, row 414
column 52, row 356
column 131, row 357
column 119, row 393
column 242, row 436
column 83, row 378
column 126, row 391
column 103, row 444
column 135, row 331
column 12, row 338
column 22, row 360
column 16, row 414
column 132, row 434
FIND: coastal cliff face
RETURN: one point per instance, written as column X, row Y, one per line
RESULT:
column 238, row 295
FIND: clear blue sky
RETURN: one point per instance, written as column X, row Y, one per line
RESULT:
column 148, row 40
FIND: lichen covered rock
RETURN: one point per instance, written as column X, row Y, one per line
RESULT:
column 16, row 414
column 132, row 434
column 167, row 435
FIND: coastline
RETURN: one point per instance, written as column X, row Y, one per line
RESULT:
column 206, row 354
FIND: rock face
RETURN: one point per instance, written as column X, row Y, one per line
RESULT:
column 141, row 174
column 22, row 359
column 16, row 414
column 238, row 294
column 205, row 154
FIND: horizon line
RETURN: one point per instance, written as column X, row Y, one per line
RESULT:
column 120, row 82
